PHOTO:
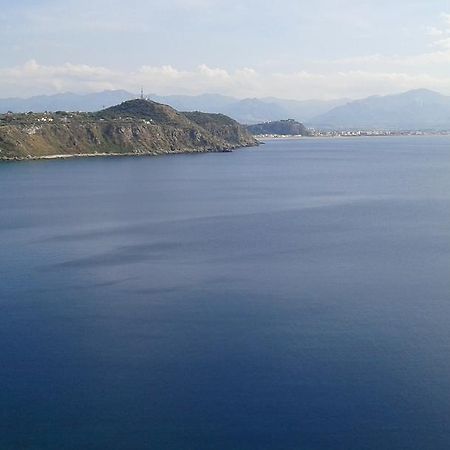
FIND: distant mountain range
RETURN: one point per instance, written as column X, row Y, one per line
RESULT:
column 65, row 102
column 413, row 110
column 248, row 111
column 251, row 110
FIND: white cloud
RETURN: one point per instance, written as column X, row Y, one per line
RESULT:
column 331, row 82
column 446, row 18
column 443, row 43
column 434, row 32
column 442, row 33
column 34, row 78
column 422, row 62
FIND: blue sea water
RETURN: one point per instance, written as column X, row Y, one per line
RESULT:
column 292, row 296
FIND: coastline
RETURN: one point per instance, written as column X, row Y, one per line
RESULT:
column 262, row 139
column 112, row 154
column 136, row 127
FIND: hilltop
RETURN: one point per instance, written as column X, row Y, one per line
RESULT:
column 130, row 128
column 288, row 127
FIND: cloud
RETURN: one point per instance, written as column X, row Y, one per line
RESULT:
column 34, row 78
column 331, row 82
column 446, row 18
column 423, row 62
column 441, row 33
column 434, row 32
column 443, row 43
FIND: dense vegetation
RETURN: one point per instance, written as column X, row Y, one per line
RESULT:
column 281, row 127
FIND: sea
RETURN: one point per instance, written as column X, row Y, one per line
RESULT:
column 293, row 296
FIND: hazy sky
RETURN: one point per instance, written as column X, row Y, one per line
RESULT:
column 286, row 48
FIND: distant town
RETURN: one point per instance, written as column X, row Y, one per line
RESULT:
column 354, row 133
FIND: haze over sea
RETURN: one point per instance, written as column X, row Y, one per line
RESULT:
column 292, row 296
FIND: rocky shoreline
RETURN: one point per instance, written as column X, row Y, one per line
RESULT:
column 112, row 154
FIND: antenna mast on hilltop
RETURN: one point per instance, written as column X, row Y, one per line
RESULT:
column 142, row 93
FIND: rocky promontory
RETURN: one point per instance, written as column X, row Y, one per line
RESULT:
column 135, row 127
column 288, row 127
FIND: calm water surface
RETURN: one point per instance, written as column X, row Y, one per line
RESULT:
column 294, row 296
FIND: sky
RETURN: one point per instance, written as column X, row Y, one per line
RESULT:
column 296, row 49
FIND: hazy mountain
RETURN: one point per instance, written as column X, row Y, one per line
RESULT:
column 245, row 111
column 251, row 110
column 413, row 110
column 304, row 110
column 214, row 103
column 65, row 102
column 248, row 111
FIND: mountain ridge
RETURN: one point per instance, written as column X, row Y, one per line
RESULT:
column 418, row 109
column 247, row 110
column 134, row 127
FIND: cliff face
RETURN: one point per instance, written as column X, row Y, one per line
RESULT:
column 134, row 127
